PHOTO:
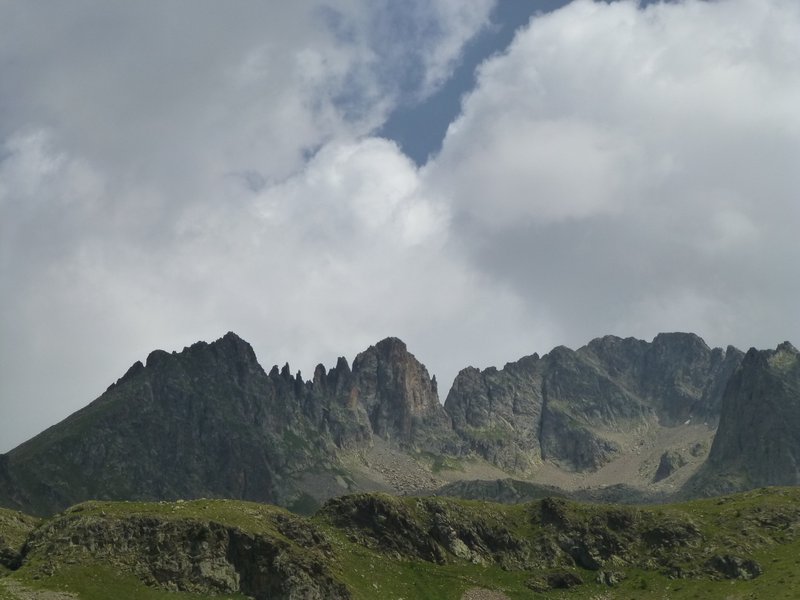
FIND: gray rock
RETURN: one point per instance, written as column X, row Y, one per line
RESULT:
column 558, row 407
column 734, row 567
column 758, row 440
column 671, row 461
column 186, row 555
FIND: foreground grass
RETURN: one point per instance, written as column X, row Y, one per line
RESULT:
column 99, row 582
column 762, row 525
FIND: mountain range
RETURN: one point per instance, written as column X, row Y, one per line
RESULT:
column 618, row 419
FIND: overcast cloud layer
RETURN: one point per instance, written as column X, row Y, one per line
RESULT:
column 167, row 176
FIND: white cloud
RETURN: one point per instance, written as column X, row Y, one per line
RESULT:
column 171, row 172
column 632, row 170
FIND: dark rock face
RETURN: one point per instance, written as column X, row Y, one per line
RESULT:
column 384, row 523
column 563, row 406
column 571, row 445
column 399, row 397
column 209, row 422
column 499, row 413
column 735, row 567
column 758, row 439
column 684, row 378
column 205, row 422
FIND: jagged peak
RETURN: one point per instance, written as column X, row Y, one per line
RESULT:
column 680, row 338
column 613, row 341
column 232, row 342
column 132, row 372
column 560, row 353
column 784, row 357
column 342, row 366
column 229, row 344
column 467, row 372
column 607, row 340
column 232, row 337
column 390, row 350
column 320, row 372
column 391, row 345
column 156, row 357
column 732, row 350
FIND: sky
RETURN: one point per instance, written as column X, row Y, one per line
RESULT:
column 482, row 179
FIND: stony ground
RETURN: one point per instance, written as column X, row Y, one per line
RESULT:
column 382, row 467
column 482, row 594
column 637, row 465
column 392, row 470
column 21, row 592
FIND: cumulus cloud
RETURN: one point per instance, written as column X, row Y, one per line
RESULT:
column 171, row 172
column 630, row 169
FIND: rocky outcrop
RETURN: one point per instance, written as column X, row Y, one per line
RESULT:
column 189, row 555
column 557, row 535
column 735, row 567
column 684, row 379
column 498, row 412
column 567, row 405
column 368, row 545
column 676, row 376
column 758, row 439
column 399, row 397
column 670, row 461
column 15, row 527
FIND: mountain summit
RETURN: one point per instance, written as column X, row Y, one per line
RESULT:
column 209, row 422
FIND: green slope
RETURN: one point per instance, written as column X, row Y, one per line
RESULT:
column 378, row 546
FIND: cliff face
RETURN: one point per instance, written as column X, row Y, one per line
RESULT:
column 399, row 397
column 684, row 379
column 567, row 405
column 498, row 413
column 758, row 439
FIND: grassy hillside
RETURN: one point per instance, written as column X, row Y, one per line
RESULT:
column 378, row 546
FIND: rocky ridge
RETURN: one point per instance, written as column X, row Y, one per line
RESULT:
column 568, row 406
column 210, row 422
